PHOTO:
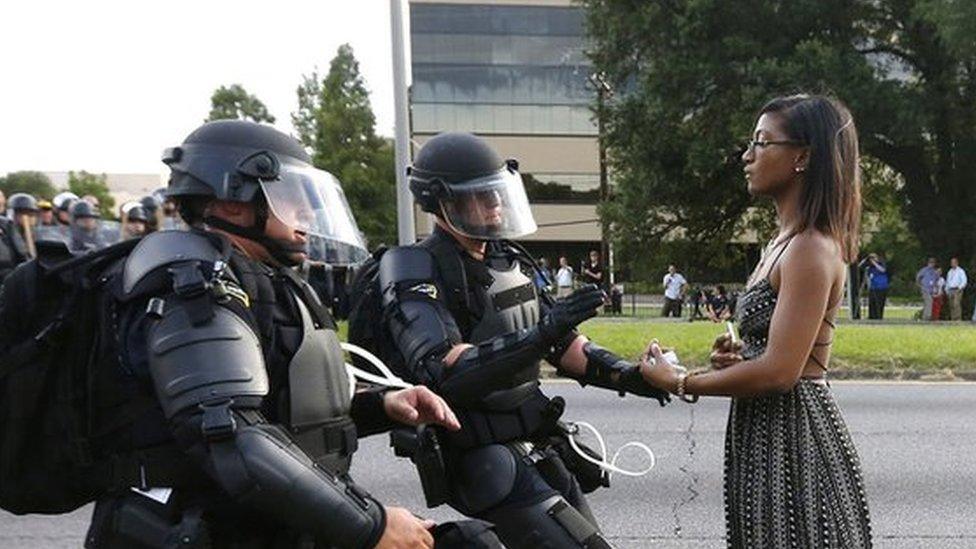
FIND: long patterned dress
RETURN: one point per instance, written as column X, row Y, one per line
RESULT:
column 792, row 474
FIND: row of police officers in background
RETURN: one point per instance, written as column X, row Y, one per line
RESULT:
column 26, row 220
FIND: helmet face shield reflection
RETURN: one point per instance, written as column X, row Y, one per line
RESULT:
column 490, row 207
column 312, row 201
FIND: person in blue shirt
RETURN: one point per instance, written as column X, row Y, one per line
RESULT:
column 878, row 282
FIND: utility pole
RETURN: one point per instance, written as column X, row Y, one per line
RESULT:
column 405, row 223
column 603, row 91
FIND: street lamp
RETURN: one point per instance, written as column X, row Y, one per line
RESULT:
column 603, row 90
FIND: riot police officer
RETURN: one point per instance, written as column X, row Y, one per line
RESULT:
column 466, row 319
column 25, row 210
column 45, row 213
column 135, row 221
column 84, row 228
column 13, row 248
column 62, row 205
column 243, row 365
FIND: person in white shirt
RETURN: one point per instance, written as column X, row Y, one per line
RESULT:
column 955, row 284
column 675, row 287
column 564, row 278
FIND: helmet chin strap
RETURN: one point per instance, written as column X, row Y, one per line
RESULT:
column 280, row 250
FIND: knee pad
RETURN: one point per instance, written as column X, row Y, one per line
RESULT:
column 484, row 478
column 552, row 523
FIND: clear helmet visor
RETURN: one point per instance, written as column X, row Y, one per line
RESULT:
column 490, row 207
column 312, row 201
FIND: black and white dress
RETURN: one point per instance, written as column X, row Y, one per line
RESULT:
column 792, row 474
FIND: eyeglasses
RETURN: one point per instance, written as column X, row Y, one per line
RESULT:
column 754, row 143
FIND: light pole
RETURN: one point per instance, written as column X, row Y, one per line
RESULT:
column 405, row 224
column 603, row 90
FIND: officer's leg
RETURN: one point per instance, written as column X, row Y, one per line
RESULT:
column 500, row 486
column 554, row 471
column 549, row 524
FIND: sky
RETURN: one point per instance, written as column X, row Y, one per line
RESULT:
column 105, row 86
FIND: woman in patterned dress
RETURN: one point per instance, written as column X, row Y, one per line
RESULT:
column 792, row 474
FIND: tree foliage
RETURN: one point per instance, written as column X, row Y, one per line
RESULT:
column 33, row 183
column 336, row 122
column 691, row 75
column 83, row 183
column 234, row 103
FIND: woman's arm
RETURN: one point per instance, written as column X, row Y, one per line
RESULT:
column 806, row 279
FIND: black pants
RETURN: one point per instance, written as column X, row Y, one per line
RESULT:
column 876, row 303
column 672, row 307
column 533, row 483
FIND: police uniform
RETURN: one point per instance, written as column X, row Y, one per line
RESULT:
column 13, row 250
column 500, row 465
column 246, row 411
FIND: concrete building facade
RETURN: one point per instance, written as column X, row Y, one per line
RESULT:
column 515, row 73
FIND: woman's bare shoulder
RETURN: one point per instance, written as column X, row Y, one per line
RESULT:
column 814, row 252
column 812, row 241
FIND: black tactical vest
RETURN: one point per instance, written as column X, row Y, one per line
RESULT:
column 310, row 392
column 502, row 299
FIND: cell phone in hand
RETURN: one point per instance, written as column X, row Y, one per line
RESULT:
column 733, row 333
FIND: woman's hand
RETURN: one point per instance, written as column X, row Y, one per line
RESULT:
column 724, row 352
column 657, row 371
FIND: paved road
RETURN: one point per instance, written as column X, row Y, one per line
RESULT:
column 917, row 444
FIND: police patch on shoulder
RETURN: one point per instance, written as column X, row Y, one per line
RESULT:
column 426, row 289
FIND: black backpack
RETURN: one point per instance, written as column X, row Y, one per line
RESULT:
column 52, row 310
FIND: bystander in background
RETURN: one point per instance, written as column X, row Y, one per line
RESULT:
column 564, row 278
column 878, row 282
column 926, row 279
column 956, row 282
column 675, row 287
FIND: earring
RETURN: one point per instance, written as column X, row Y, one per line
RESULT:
column 799, row 169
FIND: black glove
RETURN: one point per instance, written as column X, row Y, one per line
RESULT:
column 631, row 381
column 570, row 311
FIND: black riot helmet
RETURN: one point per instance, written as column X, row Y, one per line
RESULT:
column 22, row 202
column 462, row 180
column 137, row 213
column 241, row 161
column 81, row 209
column 150, row 203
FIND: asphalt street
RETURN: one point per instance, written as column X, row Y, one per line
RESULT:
column 917, row 444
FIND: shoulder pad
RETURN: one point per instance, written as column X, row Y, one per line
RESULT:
column 164, row 248
column 406, row 263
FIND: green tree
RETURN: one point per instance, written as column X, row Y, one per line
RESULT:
column 234, row 103
column 690, row 76
column 336, row 122
column 34, row 183
column 83, row 183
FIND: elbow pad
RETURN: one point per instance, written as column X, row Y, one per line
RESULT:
column 286, row 484
column 607, row 370
column 493, row 365
column 421, row 326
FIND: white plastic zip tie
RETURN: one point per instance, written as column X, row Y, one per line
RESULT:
column 387, row 377
column 610, row 466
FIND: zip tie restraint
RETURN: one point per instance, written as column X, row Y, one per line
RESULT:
column 610, row 466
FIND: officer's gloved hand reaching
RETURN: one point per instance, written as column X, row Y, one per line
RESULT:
column 569, row 312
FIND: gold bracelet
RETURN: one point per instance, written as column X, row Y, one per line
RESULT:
column 682, row 377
